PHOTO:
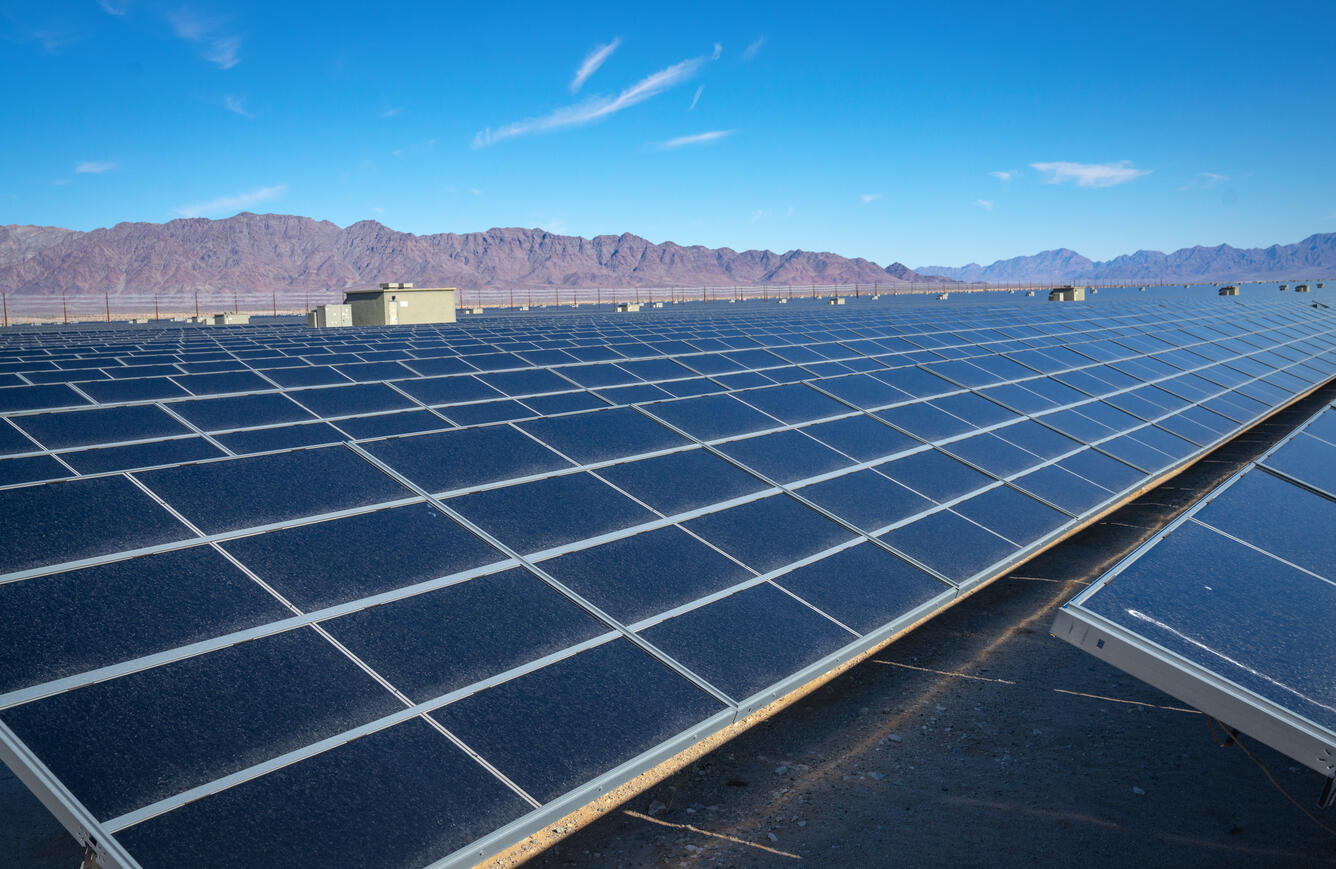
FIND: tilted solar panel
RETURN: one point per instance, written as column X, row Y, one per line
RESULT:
column 1230, row 608
column 402, row 596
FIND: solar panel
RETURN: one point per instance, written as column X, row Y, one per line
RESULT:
column 1230, row 607
column 533, row 557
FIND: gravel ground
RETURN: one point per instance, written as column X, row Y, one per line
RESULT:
column 977, row 740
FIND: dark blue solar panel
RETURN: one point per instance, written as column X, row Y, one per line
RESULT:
column 950, row 544
column 863, row 586
column 321, row 564
column 283, row 437
column 239, row 411
column 102, row 459
column 469, row 457
column 712, row 416
column 785, row 456
column 260, row 490
column 75, row 519
column 434, row 643
column 539, row 515
column 548, row 730
column 601, row 435
column 636, row 577
column 748, row 641
column 246, row 703
column 866, row 499
column 332, row 401
column 145, row 605
column 29, row 469
column 682, row 481
column 771, row 532
column 100, row 426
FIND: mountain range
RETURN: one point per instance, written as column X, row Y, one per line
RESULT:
column 286, row 253
column 1315, row 256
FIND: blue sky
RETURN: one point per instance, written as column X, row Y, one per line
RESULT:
column 891, row 131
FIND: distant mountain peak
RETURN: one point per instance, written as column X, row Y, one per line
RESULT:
column 1317, row 253
column 284, row 252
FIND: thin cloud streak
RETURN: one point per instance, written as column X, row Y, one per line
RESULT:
column 750, row 51
column 592, row 62
column 1090, row 174
column 696, row 139
column 1004, row 175
column 870, row 197
column 389, row 113
column 985, row 204
column 594, row 109
column 222, row 50
column 232, row 204
column 700, row 90
column 112, row 9
column 237, row 105
column 718, row 51
column 94, row 167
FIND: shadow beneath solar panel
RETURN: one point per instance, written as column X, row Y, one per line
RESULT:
column 977, row 740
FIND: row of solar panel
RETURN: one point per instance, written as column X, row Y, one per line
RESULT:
column 123, row 425
column 304, row 643
column 1245, row 585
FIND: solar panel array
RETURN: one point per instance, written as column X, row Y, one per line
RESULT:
column 1238, row 598
column 399, row 596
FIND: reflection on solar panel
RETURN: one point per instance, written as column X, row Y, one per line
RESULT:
column 1231, row 608
column 400, row 596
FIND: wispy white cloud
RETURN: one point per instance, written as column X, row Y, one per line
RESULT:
column 1090, row 174
column 718, row 51
column 1203, row 180
column 750, row 51
column 700, row 90
column 113, row 8
column 94, row 167
column 236, row 105
column 594, row 109
column 592, row 62
column 870, row 197
column 415, row 150
column 390, row 112
column 696, row 139
column 221, row 49
column 378, row 209
column 1005, row 175
column 985, row 204
column 232, row 204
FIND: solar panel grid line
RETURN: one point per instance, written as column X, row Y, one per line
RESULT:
column 1196, row 520
column 1295, row 481
column 533, row 567
column 45, row 689
column 810, row 504
column 1283, row 728
column 220, row 537
column 56, row 797
column 165, row 408
column 413, row 710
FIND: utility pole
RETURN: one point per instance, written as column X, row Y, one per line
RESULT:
column 106, row 298
column 64, row 312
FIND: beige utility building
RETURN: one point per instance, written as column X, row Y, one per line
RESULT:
column 330, row 316
column 1229, row 290
column 401, row 304
column 231, row 319
column 1067, row 294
